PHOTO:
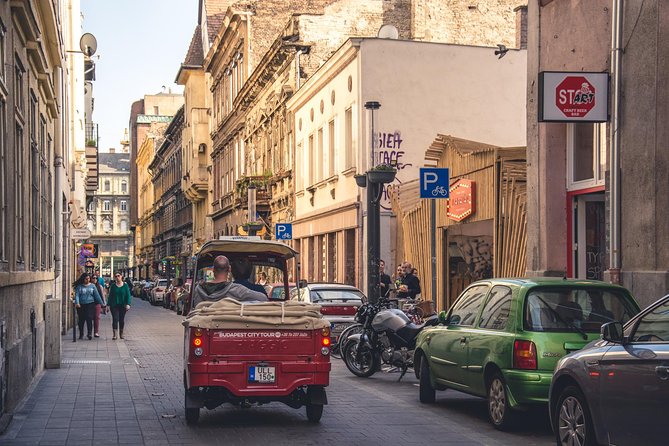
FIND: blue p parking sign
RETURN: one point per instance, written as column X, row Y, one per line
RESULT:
column 284, row 231
column 433, row 182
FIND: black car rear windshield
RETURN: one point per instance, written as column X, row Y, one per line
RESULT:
column 564, row 309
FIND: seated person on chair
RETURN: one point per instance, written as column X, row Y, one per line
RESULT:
column 241, row 273
column 219, row 288
column 570, row 311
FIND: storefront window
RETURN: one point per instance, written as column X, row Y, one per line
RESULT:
column 586, row 155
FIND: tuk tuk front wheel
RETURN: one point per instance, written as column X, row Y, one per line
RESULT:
column 314, row 412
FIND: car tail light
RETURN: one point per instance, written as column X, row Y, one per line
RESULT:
column 325, row 341
column 198, row 341
column 524, row 355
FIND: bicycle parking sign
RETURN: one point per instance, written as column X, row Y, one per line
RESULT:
column 433, row 182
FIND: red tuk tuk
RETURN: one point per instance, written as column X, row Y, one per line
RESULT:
column 254, row 353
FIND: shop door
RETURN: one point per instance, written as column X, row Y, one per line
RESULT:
column 589, row 236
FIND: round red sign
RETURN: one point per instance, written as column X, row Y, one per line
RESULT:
column 575, row 96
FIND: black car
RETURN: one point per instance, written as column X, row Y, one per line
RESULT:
column 616, row 390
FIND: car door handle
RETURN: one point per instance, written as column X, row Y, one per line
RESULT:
column 662, row 371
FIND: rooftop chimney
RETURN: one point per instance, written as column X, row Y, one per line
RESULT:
column 521, row 26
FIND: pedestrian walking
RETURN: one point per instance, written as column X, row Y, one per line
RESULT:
column 99, row 309
column 119, row 303
column 410, row 286
column 86, row 295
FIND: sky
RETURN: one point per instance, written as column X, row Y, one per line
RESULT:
column 141, row 45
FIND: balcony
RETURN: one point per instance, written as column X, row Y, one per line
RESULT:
column 91, row 158
column 262, row 186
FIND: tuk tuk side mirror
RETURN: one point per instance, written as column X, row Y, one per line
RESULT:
column 442, row 317
column 613, row 332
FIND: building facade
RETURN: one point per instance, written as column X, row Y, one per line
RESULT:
column 109, row 214
column 196, row 140
column 35, row 167
column 148, row 118
column 333, row 136
column 597, row 194
column 173, row 239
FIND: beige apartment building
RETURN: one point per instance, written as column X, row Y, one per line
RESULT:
column 424, row 89
column 262, row 54
column 109, row 214
column 196, row 139
column 148, row 118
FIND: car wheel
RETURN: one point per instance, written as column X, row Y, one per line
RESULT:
column 499, row 410
column 426, row 392
column 314, row 412
column 573, row 424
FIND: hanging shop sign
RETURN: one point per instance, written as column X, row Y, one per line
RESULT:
column 573, row 97
column 462, row 200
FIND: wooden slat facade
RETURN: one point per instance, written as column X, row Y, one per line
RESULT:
column 500, row 176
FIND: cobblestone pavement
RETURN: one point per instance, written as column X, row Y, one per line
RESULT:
column 130, row 392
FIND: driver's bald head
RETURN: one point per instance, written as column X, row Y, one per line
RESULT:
column 221, row 265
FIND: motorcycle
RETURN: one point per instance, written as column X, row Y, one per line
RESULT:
column 385, row 336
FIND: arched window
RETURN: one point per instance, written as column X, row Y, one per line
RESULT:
column 106, row 224
column 107, row 185
column 124, row 186
column 91, row 206
column 123, row 226
column 91, row 225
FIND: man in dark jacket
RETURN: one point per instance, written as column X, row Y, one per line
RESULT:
column 384, row 279
column 410, row 284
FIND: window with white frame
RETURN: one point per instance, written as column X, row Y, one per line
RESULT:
column 312, row 159
column 586, row 155
column 320, row 156
column 348, row 137
column 107, row 185
column 124, row 186
column 123, row 226
column 331, row 149
column 106, row 205
column 124, row 205
column 91, row 224
column 91, row 206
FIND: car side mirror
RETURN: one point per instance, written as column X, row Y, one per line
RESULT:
column 613, row 332
column 442, row 317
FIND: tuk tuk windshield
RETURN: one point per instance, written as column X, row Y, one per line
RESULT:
column 252, row 270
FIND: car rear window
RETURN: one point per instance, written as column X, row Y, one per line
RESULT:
column 347, row 296
column 564, row 309
column 162, row 283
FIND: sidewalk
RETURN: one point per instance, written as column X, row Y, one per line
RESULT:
column 94, row 398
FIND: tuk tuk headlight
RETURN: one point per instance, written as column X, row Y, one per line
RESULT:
column 198, row 351
column 325, row 351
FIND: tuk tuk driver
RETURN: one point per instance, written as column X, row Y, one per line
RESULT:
column 219, row 288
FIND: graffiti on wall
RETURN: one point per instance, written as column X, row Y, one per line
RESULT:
column 390, row 151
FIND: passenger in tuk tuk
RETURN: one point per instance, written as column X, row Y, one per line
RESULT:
column 241, row 272
column 219, row 287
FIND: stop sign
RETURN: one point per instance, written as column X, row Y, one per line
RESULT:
column 575, row 96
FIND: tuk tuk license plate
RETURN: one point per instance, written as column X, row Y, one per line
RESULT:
column 262, row 374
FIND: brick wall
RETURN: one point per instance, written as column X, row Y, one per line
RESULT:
column 473, row 22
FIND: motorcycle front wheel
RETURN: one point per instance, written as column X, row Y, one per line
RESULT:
column 360, row 360
column 343, row 337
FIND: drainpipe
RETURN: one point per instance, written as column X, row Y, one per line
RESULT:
column 298, row 75
column 614, row 194
column 58, row 178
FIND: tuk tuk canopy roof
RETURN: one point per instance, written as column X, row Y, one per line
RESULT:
column 247, row 245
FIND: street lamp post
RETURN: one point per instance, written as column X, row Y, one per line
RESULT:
column 374, row 191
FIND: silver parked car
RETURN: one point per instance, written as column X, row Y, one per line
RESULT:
column 616, row 390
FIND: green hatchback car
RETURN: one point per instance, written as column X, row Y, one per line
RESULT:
column 502, row 338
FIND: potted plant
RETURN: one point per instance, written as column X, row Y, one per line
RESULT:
column 252, row 227
column 382, row 173
column 361, row 180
